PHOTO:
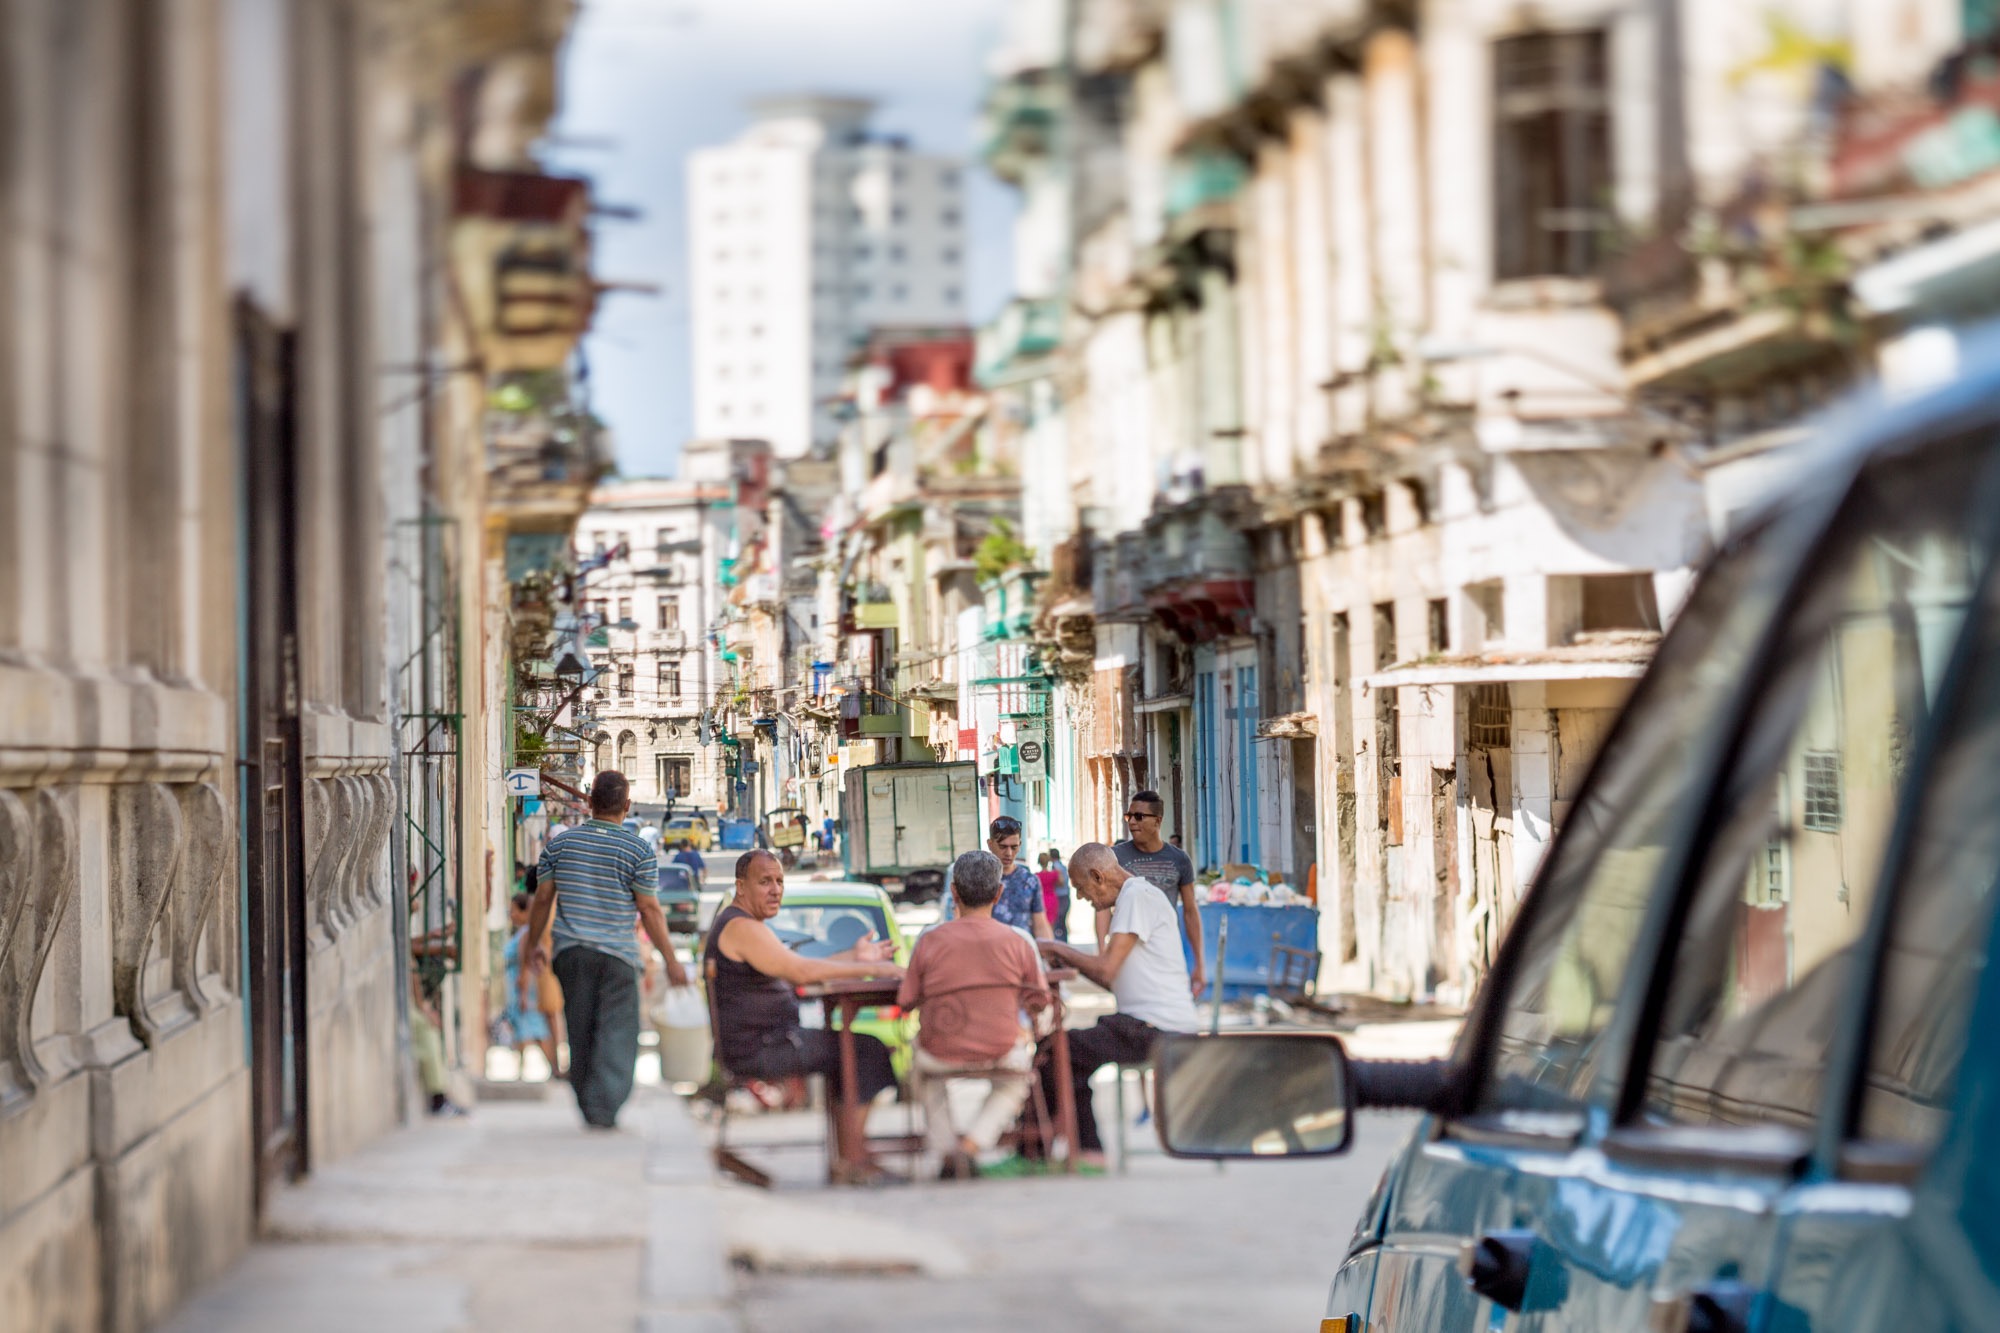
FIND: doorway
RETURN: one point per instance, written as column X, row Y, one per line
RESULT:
column 270, row 767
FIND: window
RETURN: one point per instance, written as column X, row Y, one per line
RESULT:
column 895, row 254
column 676, row 776
column 1489, row 718
column 625, row 683
column 1437, row 625
column 898, row 292
column 951, row 296
column 670, row 607
column 1756, row 988
column 1619, row 602
column 670, row 681
column 1552, row 153
column 1385, row 635
column 1487, row 604
column 949, row 254
column 1374, row 515
column 948, row 178
column 1420, row 501
column 1576, row 947
column 624, row 609
column 949, row 217
column 896, row 213
column 864, row 252
column 1821, row 771
column 628, row 755
column 862, row 291
column 663, row 539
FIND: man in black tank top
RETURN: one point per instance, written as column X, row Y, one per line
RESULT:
column 758, row 1034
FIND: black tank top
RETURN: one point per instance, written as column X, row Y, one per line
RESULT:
column 750, row 1007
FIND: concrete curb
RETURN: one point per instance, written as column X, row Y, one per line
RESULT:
column 686, row 1285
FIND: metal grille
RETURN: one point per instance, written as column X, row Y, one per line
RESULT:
column 1822, row 794
column 430, row 728
column 1489, row 718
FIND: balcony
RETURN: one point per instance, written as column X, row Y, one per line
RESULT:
column 521, row 251
column 1018, row 120
column 1024, row 331
column 663, row 640
column 876, row 615
column 1196, row 572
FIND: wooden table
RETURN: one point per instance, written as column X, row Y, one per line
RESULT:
column 846, row 998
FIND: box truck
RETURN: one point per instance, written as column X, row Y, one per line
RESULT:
column 905, row 823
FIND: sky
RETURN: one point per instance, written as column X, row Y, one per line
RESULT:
column 645, row 82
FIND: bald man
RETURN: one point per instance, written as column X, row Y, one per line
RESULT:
column 1141, row 964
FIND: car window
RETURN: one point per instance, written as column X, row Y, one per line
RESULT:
column 676, row 879
column 1942, row 921
column 1767, row 956
column 819, row 932
column 1584, row 916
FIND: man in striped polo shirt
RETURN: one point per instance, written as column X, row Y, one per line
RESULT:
column 592, row 878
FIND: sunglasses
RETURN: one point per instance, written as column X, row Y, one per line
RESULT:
column 1140, row 814
column 1004, row 828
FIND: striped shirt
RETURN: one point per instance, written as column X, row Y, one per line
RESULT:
column 600, row 869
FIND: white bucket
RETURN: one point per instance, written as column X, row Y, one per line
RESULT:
column 681, row 1020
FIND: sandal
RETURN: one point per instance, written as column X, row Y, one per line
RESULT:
column 864, row 1177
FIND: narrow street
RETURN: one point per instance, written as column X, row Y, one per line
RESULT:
column 1249, row 1247
column 515, row 1221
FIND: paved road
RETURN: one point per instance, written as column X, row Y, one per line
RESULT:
column 1171, row 1246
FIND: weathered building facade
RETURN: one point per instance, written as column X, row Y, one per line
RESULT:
column 1379, row 364
column 233, row 440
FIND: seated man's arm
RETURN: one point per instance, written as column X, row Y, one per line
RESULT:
column 911, row 993
column 1101, row 968
column 752, row 942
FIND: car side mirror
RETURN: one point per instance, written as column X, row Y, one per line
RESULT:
column 1254, row 1094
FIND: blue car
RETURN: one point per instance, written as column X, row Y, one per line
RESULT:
column 1725, row 1072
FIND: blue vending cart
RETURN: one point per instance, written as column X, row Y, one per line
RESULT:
column 1253, row 931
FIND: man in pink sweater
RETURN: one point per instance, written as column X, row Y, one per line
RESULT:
column 978, row 983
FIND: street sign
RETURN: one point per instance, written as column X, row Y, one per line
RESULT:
column 1033, row 753
column 524, row 782
column 749, row 766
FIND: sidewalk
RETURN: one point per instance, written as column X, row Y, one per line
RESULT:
column 515, row 1220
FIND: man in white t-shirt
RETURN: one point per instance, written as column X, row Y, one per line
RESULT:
column 1141, row 964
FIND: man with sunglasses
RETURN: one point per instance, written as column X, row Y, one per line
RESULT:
column 1147, row 855
column 1020, row 902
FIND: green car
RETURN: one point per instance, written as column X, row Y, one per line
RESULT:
column 822, row 918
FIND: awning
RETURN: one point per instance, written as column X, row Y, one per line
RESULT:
column 1164, row 703
column 1497, row 669
column 1290, row 727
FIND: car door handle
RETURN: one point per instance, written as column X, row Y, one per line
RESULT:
column 1717, row 1307
column 1499, row 1265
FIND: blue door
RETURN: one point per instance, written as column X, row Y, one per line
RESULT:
column 1243, row 721
column 1204, row 767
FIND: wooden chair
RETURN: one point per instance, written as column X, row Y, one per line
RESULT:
column 726, row 1158
column 1044, row 1120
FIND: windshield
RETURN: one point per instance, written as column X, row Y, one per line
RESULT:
column 821, row 931
column 676, row 879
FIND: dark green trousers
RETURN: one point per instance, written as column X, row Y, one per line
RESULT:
column 601, row 1007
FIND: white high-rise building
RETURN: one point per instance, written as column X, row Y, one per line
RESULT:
column 805, row 234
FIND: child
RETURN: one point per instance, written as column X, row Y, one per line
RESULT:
column 527, row 1020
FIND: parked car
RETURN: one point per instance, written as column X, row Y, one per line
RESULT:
column 685, row 831
column 680, row 897
column 1719, row 1076
column 821, row 918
